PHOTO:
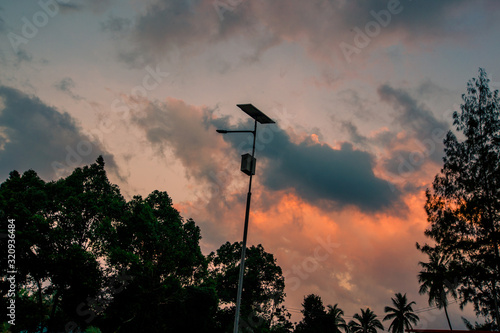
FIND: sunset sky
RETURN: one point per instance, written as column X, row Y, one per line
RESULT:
column 362, row 93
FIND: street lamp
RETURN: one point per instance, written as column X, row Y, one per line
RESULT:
column 248, row 167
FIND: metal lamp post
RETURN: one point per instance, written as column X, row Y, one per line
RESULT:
column 248, row 167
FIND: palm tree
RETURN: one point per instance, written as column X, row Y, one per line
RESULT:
column 402, row 314
column 367, row 322
column 435, row 279
column 335, row 320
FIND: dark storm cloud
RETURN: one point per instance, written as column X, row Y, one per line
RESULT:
column 167, row 26
column 319, row 25
column 423, row 129
column 36, row 136
column 414, row 18
column 316, row 171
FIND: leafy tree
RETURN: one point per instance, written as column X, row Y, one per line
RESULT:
column 367, row 322
column 487, row 326
column 335, row 321
column 169, row 290
column 263, row 289
column 23, row 198
column 314, row 315
column 317, row 319
column 86, row 257
column 463, row 207
column 402, row 314
column 60, row 233
column 436, row 279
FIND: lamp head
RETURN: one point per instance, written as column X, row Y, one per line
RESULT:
column 221, row 131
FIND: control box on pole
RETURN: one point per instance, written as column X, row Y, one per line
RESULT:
column 248, row 164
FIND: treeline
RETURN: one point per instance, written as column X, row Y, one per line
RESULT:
column 317, row 318
column 86, row 259
column 89, row 261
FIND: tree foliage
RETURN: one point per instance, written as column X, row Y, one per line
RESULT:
column 318, row 319
column 59, row 234
column 402, row 315
column 263, row 289
column 160, row 253
column 88, row 260
column 366, row 322
column 463, row 207
column 438, row 279
column 86, row 256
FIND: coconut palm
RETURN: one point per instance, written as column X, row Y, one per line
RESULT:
column 335, row 320
column 367, row 322
column 435, row 279
column 401, row 314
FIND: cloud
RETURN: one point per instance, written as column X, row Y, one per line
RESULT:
column 23, row 56
column 320, row 26
column 116, row 24
column 3, row 27
column 353, row 133
column 181, row 132
column 34, row 135
column 315, row 171
column 96, row 6
column 183, row 129
column 348, row 257
column 318, row 172
column 423, row 132
column 67, row 85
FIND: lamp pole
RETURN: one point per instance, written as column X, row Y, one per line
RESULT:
column 258, row 116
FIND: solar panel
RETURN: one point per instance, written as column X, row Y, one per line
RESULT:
column 255, row 113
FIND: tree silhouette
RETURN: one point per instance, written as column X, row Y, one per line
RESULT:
column 314, row 315
column 367, row 322
column 435, row 279
column 263, row 289
column 85, row 256
column 169, row 290
column 487, row 326
column 402, row 314
column 61, row 230
column 335, row 320
column 463, row 207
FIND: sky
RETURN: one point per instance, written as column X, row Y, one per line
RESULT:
column 362, row 93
